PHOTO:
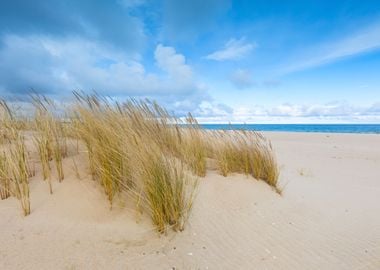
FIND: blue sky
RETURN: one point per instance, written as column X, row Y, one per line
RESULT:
column 224, row 61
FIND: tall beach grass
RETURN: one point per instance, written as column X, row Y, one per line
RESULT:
column 136, row 150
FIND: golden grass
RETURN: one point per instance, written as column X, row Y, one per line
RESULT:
column 246, row 152
column 135, row 149
column 131, row 150
column 42, row 145
column 8, row 123
column 193, row 146
column 19, row 173
column 167, row 190
column 14, row 164
column 50, row 138
column 5, row 185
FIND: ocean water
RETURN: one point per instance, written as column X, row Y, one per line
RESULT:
column 327, row 128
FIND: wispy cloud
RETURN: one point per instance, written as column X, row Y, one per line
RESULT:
column 332, row 112
column 362, row 41
column 234, row 49
column 242, row 78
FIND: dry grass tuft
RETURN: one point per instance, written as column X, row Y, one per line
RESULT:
column 14, row 163
column 19, row 172
column 5, row 185
column 167, row 190
column 8, row 123
column 50, row 138
column 132, row 148
column 135, row 149
column 193, row 146
column 246, row 152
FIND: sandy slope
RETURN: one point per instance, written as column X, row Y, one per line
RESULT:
column 327, row 218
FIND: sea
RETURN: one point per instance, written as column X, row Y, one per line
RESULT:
column 327, row 128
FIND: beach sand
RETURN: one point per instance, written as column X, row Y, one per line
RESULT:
column 327, row 217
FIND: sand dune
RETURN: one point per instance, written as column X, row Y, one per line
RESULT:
column 327, row 218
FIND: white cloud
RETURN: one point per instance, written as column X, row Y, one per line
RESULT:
column 375, row 108
column 242, row 78
column 333, row 112
column 173, row 63
column 234, row 49
column 207, row 108
column 362, row 41
column 55, row 67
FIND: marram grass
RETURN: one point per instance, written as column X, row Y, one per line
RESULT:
column 135, row 150
column 5, row 185
column 246, row 152
column 19, row 173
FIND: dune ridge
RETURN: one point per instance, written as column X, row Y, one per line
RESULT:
column 325, row 219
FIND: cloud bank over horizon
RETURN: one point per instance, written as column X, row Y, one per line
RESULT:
column 221, row 61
